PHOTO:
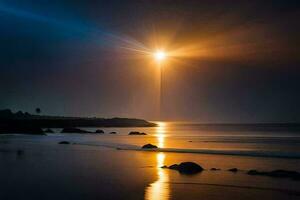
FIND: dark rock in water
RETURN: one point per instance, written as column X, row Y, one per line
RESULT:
column 174, row 166
column 187, row 168
column 26, row 114
column 276, row 173
column 64, row 142
column 233, row 170
column 253, row 172
column 136, row 133
column 48, row 130
column 99, row 131
column 149, row 146
column 113, row 132
column 20, row 152
column 214, row 169
column 22, row 130
column 74, row 130
column 164, row 167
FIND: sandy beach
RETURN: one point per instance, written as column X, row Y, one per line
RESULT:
column 37, row 167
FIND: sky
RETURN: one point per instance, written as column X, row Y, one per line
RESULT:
column 229, row 61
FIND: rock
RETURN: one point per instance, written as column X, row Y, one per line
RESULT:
column 20, row 152
column 99, row 131
column 136, row 133
column 187, row 168
column 164, row 167
column 149, row 146
column 74, row 130
column 27, row 114
column 48, row 130
column 64, row 142
column 214, row 169
column 276, row 173
column 174, row 166
column 234, row 170
column 113, row 132
column 252, row 172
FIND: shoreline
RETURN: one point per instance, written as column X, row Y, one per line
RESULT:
column 49, row 158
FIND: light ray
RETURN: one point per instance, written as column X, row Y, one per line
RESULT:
column 74, row 27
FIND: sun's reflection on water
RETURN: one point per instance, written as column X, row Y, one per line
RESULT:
column 159, row 190
column 160, row 134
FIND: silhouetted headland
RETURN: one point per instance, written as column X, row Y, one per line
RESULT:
column 26, row 123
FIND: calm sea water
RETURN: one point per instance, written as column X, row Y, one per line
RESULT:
column 93, row 168
column 193, row 138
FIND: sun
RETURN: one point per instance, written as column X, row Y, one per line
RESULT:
column 160, row 55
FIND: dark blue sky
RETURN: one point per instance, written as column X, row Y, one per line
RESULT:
column 66, row 57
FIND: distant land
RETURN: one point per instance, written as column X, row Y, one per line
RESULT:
column 21, row 122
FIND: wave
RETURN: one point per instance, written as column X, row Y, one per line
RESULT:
column 283, row 141
column 288, row 191
column 253, row 153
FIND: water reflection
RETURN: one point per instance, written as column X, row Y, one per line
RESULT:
column 160, row 134
column 159, row 190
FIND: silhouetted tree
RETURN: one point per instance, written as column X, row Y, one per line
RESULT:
column 38, row 110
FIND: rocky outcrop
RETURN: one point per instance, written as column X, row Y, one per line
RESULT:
column 99, row 131
column 234, row 170
column 113, row 132
column 149, row 146
column 74, row 130
column 136, row 133
column 64, row 142
column 187, row 168
column 20, row 152
column 214, row 169
column 174, row 166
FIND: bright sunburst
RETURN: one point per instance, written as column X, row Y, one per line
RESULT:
column 160, row 55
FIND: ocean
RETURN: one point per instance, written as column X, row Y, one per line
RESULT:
column 113, row 166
